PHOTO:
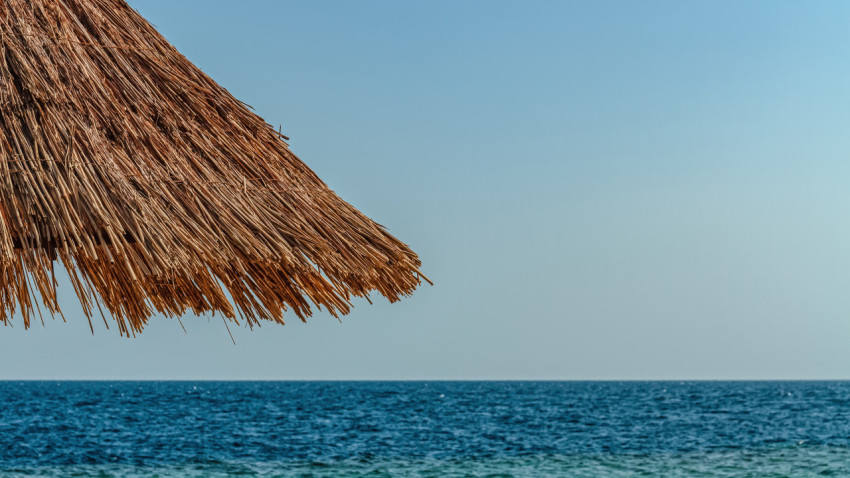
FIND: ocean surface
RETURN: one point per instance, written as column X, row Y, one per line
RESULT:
column 427, row 429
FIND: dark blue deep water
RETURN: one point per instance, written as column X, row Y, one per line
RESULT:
column 425, row 429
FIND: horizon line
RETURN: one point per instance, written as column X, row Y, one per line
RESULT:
column 424, row 380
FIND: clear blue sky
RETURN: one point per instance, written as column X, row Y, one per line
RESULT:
column 600, row 189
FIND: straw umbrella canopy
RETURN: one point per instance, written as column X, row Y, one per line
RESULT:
column 156, row 189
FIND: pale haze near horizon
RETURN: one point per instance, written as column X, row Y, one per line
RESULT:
column 600, row 190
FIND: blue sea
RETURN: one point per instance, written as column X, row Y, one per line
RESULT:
column 425, row 429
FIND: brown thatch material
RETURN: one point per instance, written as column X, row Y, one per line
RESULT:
column 157, row 189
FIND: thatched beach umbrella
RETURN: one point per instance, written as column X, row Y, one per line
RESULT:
column 157, row 189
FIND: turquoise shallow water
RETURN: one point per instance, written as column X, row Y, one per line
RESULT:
column 325, row 429
column 795, row 462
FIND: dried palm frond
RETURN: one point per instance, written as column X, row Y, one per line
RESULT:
column 158, row 190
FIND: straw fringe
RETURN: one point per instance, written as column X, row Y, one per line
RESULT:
column 156, row 189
